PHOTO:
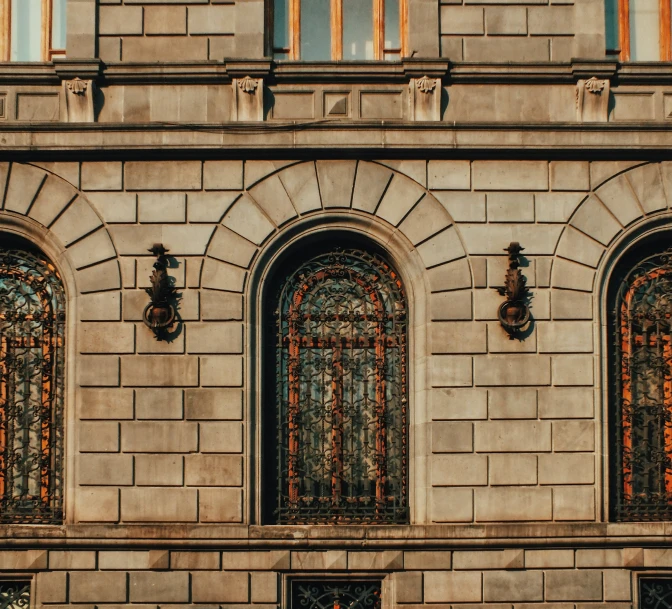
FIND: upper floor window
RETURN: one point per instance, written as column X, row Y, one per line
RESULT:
column 323, row 30
column 337, row 392
column 33, row 30
column 641, row 367
column 32, row 362
column 639, row 30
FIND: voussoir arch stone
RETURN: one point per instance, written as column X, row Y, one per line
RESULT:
column 55, row 215
column 604, row 215
column 308, row 189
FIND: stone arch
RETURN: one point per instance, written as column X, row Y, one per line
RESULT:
column 603, row 217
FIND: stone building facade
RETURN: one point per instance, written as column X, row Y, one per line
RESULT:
column 169, row 124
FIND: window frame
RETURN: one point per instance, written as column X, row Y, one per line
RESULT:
column 665, row 24
column 336, row 23
column 46, row 32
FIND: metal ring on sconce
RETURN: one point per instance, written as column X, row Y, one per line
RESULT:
column 159, row 314
column 513, row 315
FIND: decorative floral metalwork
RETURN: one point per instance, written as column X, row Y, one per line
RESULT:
column 513, row 313
column 426, row 84
column 642, row 374
column 341, row 391
column 335, row 594
column 32, row 364
column 77, row 86
column 159, row 314
column 14, row 594
column 655, row 593
column 248, row 85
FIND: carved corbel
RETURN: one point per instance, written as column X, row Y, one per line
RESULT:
column 248, row 99
column 592, row 100
column 159, row 315
column 78, row 96
column 425, row 94
column 514, row 313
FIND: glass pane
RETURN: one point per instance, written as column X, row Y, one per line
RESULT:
column 611, row 21
column 392, row 40
column 644, row 30
column 280, row 27
column 358, row 29
column 58, row 24
column 26, row 30
column 315, row 30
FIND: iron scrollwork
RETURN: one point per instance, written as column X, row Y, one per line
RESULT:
column 160, row 314
column 335, row 594
column 14, row 594
column 514, row 313
column 655, row 592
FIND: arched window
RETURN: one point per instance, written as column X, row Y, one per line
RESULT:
column 337, row 387
column 640, row 323
column 32, row 361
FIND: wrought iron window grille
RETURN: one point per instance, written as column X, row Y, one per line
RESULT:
column 641, row 387
column 334, row 593
column 340, row 398
column 15, row 594
column 655, row 592
column 32, row 364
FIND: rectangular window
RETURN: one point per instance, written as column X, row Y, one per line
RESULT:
column 655, row 592
column 334, row 593
column 638, row 30
column 32, row 30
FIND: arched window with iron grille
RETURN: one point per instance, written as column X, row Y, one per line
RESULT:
column 640, row 329
column 337, row 390
column 32, row 362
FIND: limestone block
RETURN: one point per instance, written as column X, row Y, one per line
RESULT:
column 423, row 28
column 96, row 505
column 211, row 19
column 544, row 268
column 599, row 557
column 215, row 337
column 220, row 505
column 93, row 249
column 21, row 560
column 157, row 49
column 99, row 437
column 449, row 175
column 416, row 170
column 656, row 557
column 76, row 221
column 159, row 587
column 459, row 470
column 101, row 176
column 408, row 586
column 600, row 171
column 261, row 561
column 72, row 560
column 231, row 247
column 159, row 505
column 221, row 371
column 192, row 275
column 566, row 403
column 213, row 404
column 452, row 437
column 620, row 200
column 52, row 587
column 523, row 586
column 451, row 505
column 451, row 371
column 336, row 179
column 217, row 306
column 104, row 470
column 506, row 21
column 585, row 585
column 499, row 340
column 120, row 20
column 549, row 559
column 617, row 585
column 158, row 403
column 247, row 219
column 512, row 370
column 209, row 207
column 162, row 208
column 451, row 276
column 271, row 197
column 567, row 468
column 572, row 276
column 512, row 470
column 451, row 306
column 427, row 560
column 556, row 206
column 112, row 404
column 458, row 337
column 146, row 341
column 399, row 198
column 570, row 175
column 462, row 20
column 24, row 183
column 510, row 175
column 486, row 304
column 593, row 219
column 463, row 206
column 572, row 370
column 162, row 175
column 520, row 504
column 159, row 470
column 97, row 587
column 444, row 247
column 427, row 218
column 165, row 20
column 106, row 337
column 159, row 437
column 98, row 370
column 53, row 198
column 136, row 560
column 213, row 470
column 573, row 436
column 300, row 182
column 68, row 170
column 479, row 267
column 456, row 404
column 221, row 437
column 221, row 276
column 489, row 239
column 196, row 561
column 220, row 587
column 183, row 240
column 503, row 49
column 647, row 185
column 551, row 20
column 446, row 587
column 159, row 371
column 331, row 560
column 223, row 175
column 512, row 436
column 567, row 304
column 510, row 207
column 264, row 587
column 104, row 306
column 370, row 185
column 368, row 561
column 565, row 336
column 129, row 274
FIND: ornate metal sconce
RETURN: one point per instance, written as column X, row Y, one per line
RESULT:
column 513, row 313
column 159, row 314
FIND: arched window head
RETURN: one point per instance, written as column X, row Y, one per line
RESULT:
column 338, row 391
column 32, row 361
column 641, row 369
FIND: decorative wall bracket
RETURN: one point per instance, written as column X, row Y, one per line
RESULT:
column 159, row 314
column 513, row 313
